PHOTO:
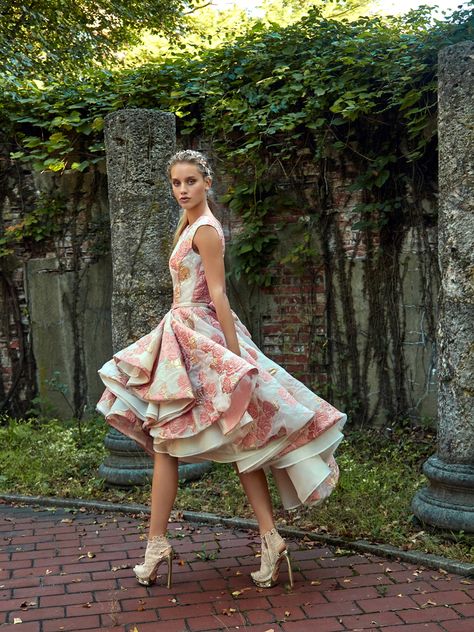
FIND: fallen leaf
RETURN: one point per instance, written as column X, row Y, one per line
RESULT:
column 17, row 620
column 67, row 520
column 228, row 611
column 315, row 582
column 465, row 581
column 287, row 613
column 236, row 593
column 117, row 568
column 428, row 603
column 86, row 605
column 27, row 604
column 90, row 554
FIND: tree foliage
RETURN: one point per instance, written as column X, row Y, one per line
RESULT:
column 38, row 36
column 365, row 89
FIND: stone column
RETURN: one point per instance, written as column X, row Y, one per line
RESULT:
column 143, row 217
column 448, row 501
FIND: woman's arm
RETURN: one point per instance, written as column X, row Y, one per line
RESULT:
column 208, row 242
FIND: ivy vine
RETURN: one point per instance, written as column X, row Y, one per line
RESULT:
column 318, row 89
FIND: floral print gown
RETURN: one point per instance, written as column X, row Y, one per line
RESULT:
column 180, row 390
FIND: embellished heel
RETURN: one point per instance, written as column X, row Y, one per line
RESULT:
column 158, row 550
column 272, row 557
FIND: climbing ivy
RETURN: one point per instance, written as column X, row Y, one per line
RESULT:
column 318, row 90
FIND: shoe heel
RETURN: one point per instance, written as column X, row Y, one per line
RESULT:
column 170, row 569
column 290, row 571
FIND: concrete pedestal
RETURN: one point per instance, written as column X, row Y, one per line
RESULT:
column 143, row 217
column 448, row 501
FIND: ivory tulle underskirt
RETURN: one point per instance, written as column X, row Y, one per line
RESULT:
column 179, row 390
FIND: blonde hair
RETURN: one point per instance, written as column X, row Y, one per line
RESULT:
column 204, row 168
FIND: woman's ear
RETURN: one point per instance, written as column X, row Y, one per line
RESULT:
column 208, row 183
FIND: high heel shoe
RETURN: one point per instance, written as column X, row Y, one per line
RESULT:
column 158, row 550
column 272, row 556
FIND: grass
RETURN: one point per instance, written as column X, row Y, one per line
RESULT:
column 380, row 472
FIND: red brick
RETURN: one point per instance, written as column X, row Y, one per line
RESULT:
column 263, row 627
column 36, row 614
column 161, row 626
column 369, row 621
column 147, row 602
column 354, row 581
column 467, row 610
column 85, row 585
column 250, row 603
column 349, row 560
column 80, row 623
column 380, row 568
column 386, row 603
column 443, row 597
column 86, row 567
column 31, row 626
column 288, row 601
column 322, row 625
column 464, row 625
column 432, row 613
column 196, row 610
column 352, row 594
column 322, row 573
column 30, row 555
column 331, row 609
column 17, row 564
column 259, row 616
column 215, row 622
column 123, row 618
column 294, row 613
column 89, row 608
column 413, row 588
column 65, row 599
column 420, row 627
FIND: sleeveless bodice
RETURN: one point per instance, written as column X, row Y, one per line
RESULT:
column 186, row 268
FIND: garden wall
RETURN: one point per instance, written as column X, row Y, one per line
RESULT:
column 355, row 322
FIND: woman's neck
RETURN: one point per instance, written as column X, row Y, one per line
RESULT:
column 195, row 214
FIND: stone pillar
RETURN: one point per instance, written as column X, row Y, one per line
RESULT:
column 143, row 217
column 448, row 501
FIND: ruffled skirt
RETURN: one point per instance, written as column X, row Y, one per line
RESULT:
column 179, row 390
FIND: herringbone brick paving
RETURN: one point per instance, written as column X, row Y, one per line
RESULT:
column 61, row 570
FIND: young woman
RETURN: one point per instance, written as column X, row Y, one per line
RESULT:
column 198, row 388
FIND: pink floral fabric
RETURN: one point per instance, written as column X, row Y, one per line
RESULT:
column 179, row 390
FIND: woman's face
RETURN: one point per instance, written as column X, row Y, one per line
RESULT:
column 189, row 186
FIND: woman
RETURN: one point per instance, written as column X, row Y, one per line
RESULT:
column 198, row 388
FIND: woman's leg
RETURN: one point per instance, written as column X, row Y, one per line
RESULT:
column 163, row 492
column 273, row 546
column 256, row 487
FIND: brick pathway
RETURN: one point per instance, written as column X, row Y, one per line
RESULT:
column 72, row 571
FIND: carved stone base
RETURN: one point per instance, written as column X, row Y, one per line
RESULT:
column 448, row 501
column 128, row 465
